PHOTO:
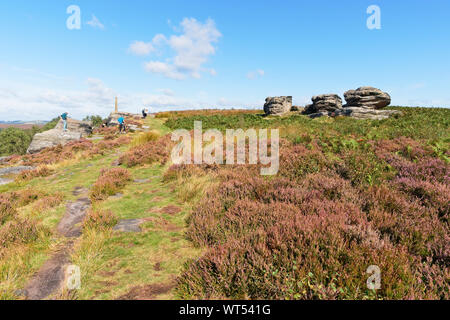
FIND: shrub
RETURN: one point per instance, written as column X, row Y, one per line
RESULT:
column 99, row 219
column 109, row 183
column 34, row 173
column 148, row 153
column 48, row 202
column 13, row 141
column 7, row 211
column 145, row 137
column 18, row 232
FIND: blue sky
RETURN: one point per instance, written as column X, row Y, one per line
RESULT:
column 202, row 54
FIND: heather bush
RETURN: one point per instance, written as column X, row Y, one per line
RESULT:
column 110, row 182
column 48, row 202
column 7, row 211
column 18, row 231
column 310, row 232
column 99, row 220
column 148, row 153
column 39, row 172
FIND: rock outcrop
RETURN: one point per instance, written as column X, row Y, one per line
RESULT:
column 366, row 113
column 52, row 138
column 83, row 127
column 362, row 103
column 367, row 97
column 326, row 102
column 114, row 116
column 278, row 105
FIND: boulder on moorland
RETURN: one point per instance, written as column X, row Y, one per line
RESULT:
column 367, row 97
column 52, row 138
column 278, row 105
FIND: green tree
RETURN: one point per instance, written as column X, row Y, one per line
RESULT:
column 14, row 141
column 95, row 120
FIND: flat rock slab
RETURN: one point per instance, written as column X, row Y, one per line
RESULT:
column 5, row 181
column 142, row 180
column 79, row 191
column 50, row 278
column 14, row 170
column 117, row 196
column 129, row 225
column 75, row 213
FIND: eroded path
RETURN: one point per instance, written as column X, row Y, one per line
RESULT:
column 51, row 277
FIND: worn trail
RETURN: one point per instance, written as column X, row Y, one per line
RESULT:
column 51, row 277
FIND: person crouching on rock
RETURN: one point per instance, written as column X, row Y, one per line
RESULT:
column 64, row 119
column 121, row 121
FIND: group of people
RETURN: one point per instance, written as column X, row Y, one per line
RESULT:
column 121, row 121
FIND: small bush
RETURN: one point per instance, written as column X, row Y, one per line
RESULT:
column 148, row 153
column 35, row 173
column 99, row 220
column 109, row 183
column 48, row 202
column 7, row 211
column 145, row 137
column 18, row 232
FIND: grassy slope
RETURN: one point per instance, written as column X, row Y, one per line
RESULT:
column 111, row 262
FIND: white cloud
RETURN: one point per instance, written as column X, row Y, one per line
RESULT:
column 191, row 50
column 141, row 48
column 95, row 23
column 166, row 92
column 255, row 74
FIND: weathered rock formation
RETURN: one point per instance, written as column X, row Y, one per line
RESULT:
column 114, row 116
column 326, row 102
column 362, row 103
column 83, row 127
column 52, row 138
column 366, row 113
column 367, row 97
column 277, row 105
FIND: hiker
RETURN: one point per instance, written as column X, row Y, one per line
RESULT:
column 144, row 113
column 121, row 121
column 64, row 119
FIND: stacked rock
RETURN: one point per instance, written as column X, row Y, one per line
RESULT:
column 323, row 104
column 367, row 97
column 278, row 105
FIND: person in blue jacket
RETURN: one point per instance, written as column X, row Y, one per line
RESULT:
column 121, row 121
column 64, row 119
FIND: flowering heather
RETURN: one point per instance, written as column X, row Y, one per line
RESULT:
column 99, row 219
column 148, row 153
column 311, row 231
column 110, row 182
column 34, row 173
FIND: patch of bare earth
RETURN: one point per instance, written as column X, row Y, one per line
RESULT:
column 148, row 292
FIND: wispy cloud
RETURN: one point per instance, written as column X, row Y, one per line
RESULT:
column 141, row 48
column 191, row 50
column 255, row 74
column 95, row 23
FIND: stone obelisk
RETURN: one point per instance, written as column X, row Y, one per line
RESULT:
column 116, row 110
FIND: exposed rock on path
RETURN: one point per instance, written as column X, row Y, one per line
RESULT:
column 51, row 277
column 129, row 225
column 75, row 213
